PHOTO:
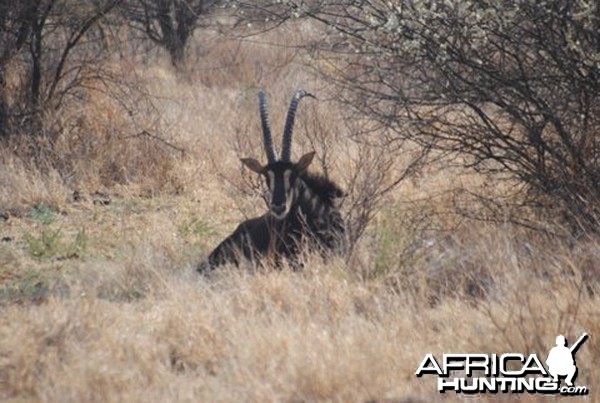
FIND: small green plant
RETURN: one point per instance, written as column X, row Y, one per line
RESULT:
column 47, row 244
column 136, row 292
column 195, row 226
column 395, row 239
column 127, row 206
column 43, row 212
column 32, row 285
column 79, row 246
column 388, row 242
column 50, row 244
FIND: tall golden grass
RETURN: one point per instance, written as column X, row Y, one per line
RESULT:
column 99, row 299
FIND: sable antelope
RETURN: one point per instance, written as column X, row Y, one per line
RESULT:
column 302, row 207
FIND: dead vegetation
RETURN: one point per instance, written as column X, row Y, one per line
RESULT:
column 100, row 301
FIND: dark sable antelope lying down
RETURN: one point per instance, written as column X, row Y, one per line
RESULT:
column 303, row 210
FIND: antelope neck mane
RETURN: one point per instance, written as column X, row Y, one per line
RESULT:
column 322, row 187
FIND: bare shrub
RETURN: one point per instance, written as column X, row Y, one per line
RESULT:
column 50, row 53
column 101, row 144
column 169, row 24
column 506, row 88
column 69, row 110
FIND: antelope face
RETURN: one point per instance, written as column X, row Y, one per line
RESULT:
column 281, row 178
column 281, row 175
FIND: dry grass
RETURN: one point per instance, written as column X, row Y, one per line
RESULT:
column 100, row 301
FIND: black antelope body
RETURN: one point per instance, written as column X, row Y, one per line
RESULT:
column 302, row 212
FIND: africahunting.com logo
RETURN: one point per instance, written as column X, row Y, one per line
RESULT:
column 507, row 373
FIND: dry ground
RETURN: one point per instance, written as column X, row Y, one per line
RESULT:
column 99, row 300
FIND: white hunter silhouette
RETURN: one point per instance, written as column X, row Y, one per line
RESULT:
column 561, row 359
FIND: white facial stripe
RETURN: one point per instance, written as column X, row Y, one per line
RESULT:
column 271, row 181
column 289, row 200
column 286, row 180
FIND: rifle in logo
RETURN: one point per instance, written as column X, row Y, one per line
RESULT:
column 561, row 359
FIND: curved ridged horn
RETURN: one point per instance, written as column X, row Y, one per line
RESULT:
column 286, row 142
column 266, row 127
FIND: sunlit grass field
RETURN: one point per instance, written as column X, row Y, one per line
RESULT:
column 100, row 301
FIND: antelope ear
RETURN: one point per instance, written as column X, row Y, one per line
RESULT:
column 253, row 164
column 305, row 161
